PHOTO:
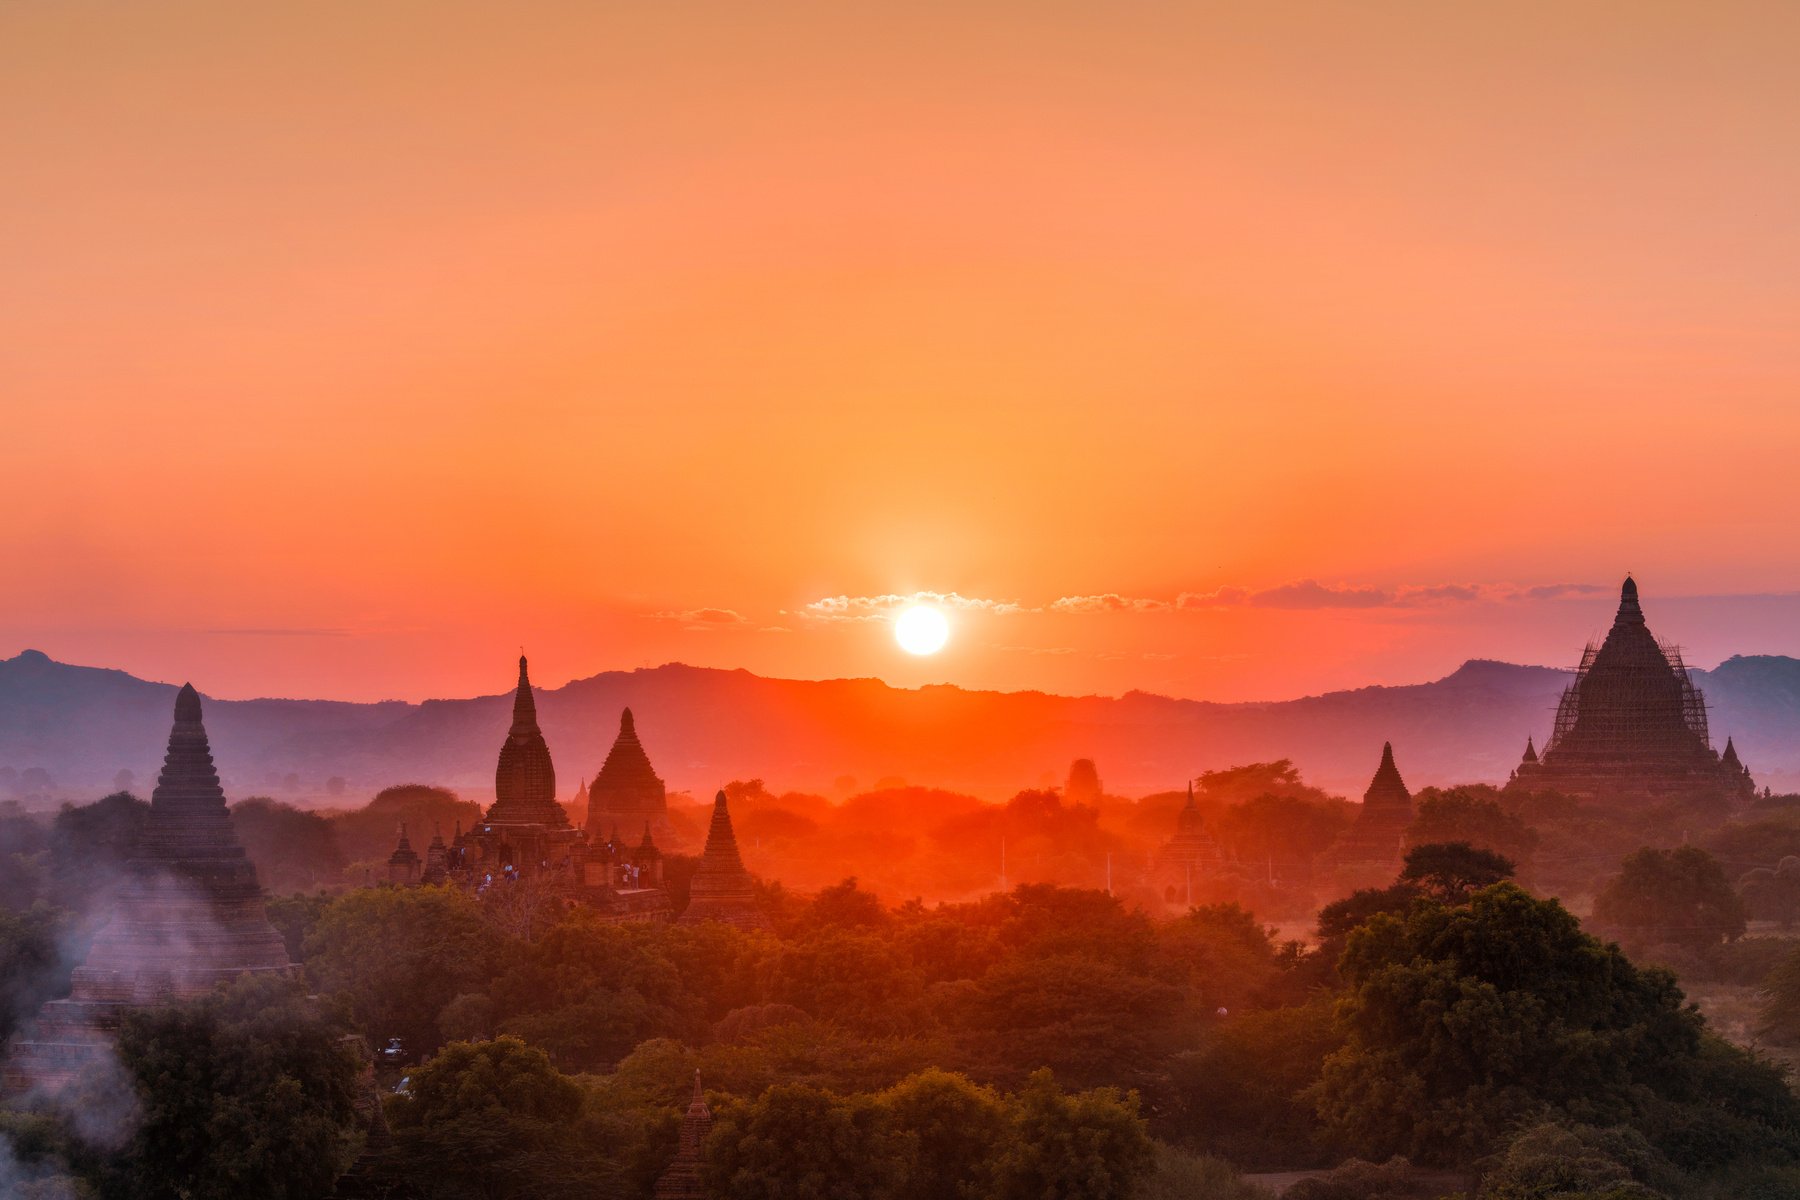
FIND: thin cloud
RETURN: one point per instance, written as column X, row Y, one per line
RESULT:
column 1443, row 593
column 1557, row 591
column 300, row 631
column 1107, row 602
column 706, row 618
column 880, row 608
column 1311, row 594
column 1225, row 597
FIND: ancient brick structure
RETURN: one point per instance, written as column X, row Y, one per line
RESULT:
column 189, row 915
column 1371, row 850
column 1632, row 726
column 1189, row 859
column 682, row 1180
column 721, row 889
column 627, row 793
column 403, row 863
column 525, row 832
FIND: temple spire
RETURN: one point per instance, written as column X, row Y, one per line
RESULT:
column 1530, row 750
column 722, row 889
column 1628, row 604
column 524, row 705
column 524, row 777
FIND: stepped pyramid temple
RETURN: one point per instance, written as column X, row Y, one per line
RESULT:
column 682, row 1180
column 189, row 915
column 1190, row 857
column 627, row 794
column 1372, row 849
column 1632, row 726
column 722, row 889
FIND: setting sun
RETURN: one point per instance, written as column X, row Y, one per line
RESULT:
column 921, row 630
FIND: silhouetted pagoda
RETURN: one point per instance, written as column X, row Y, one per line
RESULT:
column 403, row 863
column 682, row 1180
column 1371, row 850
column 1632, row 725
column 437, row 860
column 1190, row 857
column 627, row 793
column 525, row 778
column 525, row 831
column 722, row 889
column 189, row 915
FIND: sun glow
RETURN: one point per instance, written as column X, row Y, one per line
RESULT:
column 921, row 630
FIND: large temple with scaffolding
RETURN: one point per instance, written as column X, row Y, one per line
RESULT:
column 1632, row 726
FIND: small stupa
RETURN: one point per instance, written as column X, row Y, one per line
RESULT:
column 682, row 1179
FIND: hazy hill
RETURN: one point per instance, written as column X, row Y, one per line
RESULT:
column 704, row 726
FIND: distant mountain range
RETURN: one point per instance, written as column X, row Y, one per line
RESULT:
column 703, row 727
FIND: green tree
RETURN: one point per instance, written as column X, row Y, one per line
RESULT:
column 33, row 967
column 1242, row 1093
column 294, row 850
column 1550, row 1162
column 954, row 1129
column 588, row 991
column 1461, row 1020
column 796, row 1142
column 844, row 975
column 1090, row 1021
column 496, row 1119
column 246, row 1092
column 1224, row 957
column 1674, row 897
column 1084, row 1146
column 399, row 955
column 1471, row 816
column 1453, row 871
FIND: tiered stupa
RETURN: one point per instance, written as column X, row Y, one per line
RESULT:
column 403, row 863
column 525, row 778
column 721, row 889
column 437, row 860
column 189, row 915
column 682, row 1180
column 1190, row 857
column 525, row 831
column 1371, row 850
column 627, row 793
column 1633, row 725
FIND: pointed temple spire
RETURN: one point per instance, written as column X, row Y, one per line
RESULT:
column 1531, row 755
column 189, row 915
column 682, row 1180
column 437, row 858
column 525, row 778
column 403, row 863
column 722, row 889
column 1370, row 851
column 627, row 789
column 1629, row 611
column 1387, row 789
column 524, row 703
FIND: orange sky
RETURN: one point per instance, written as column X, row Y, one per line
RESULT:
column 347, row 347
